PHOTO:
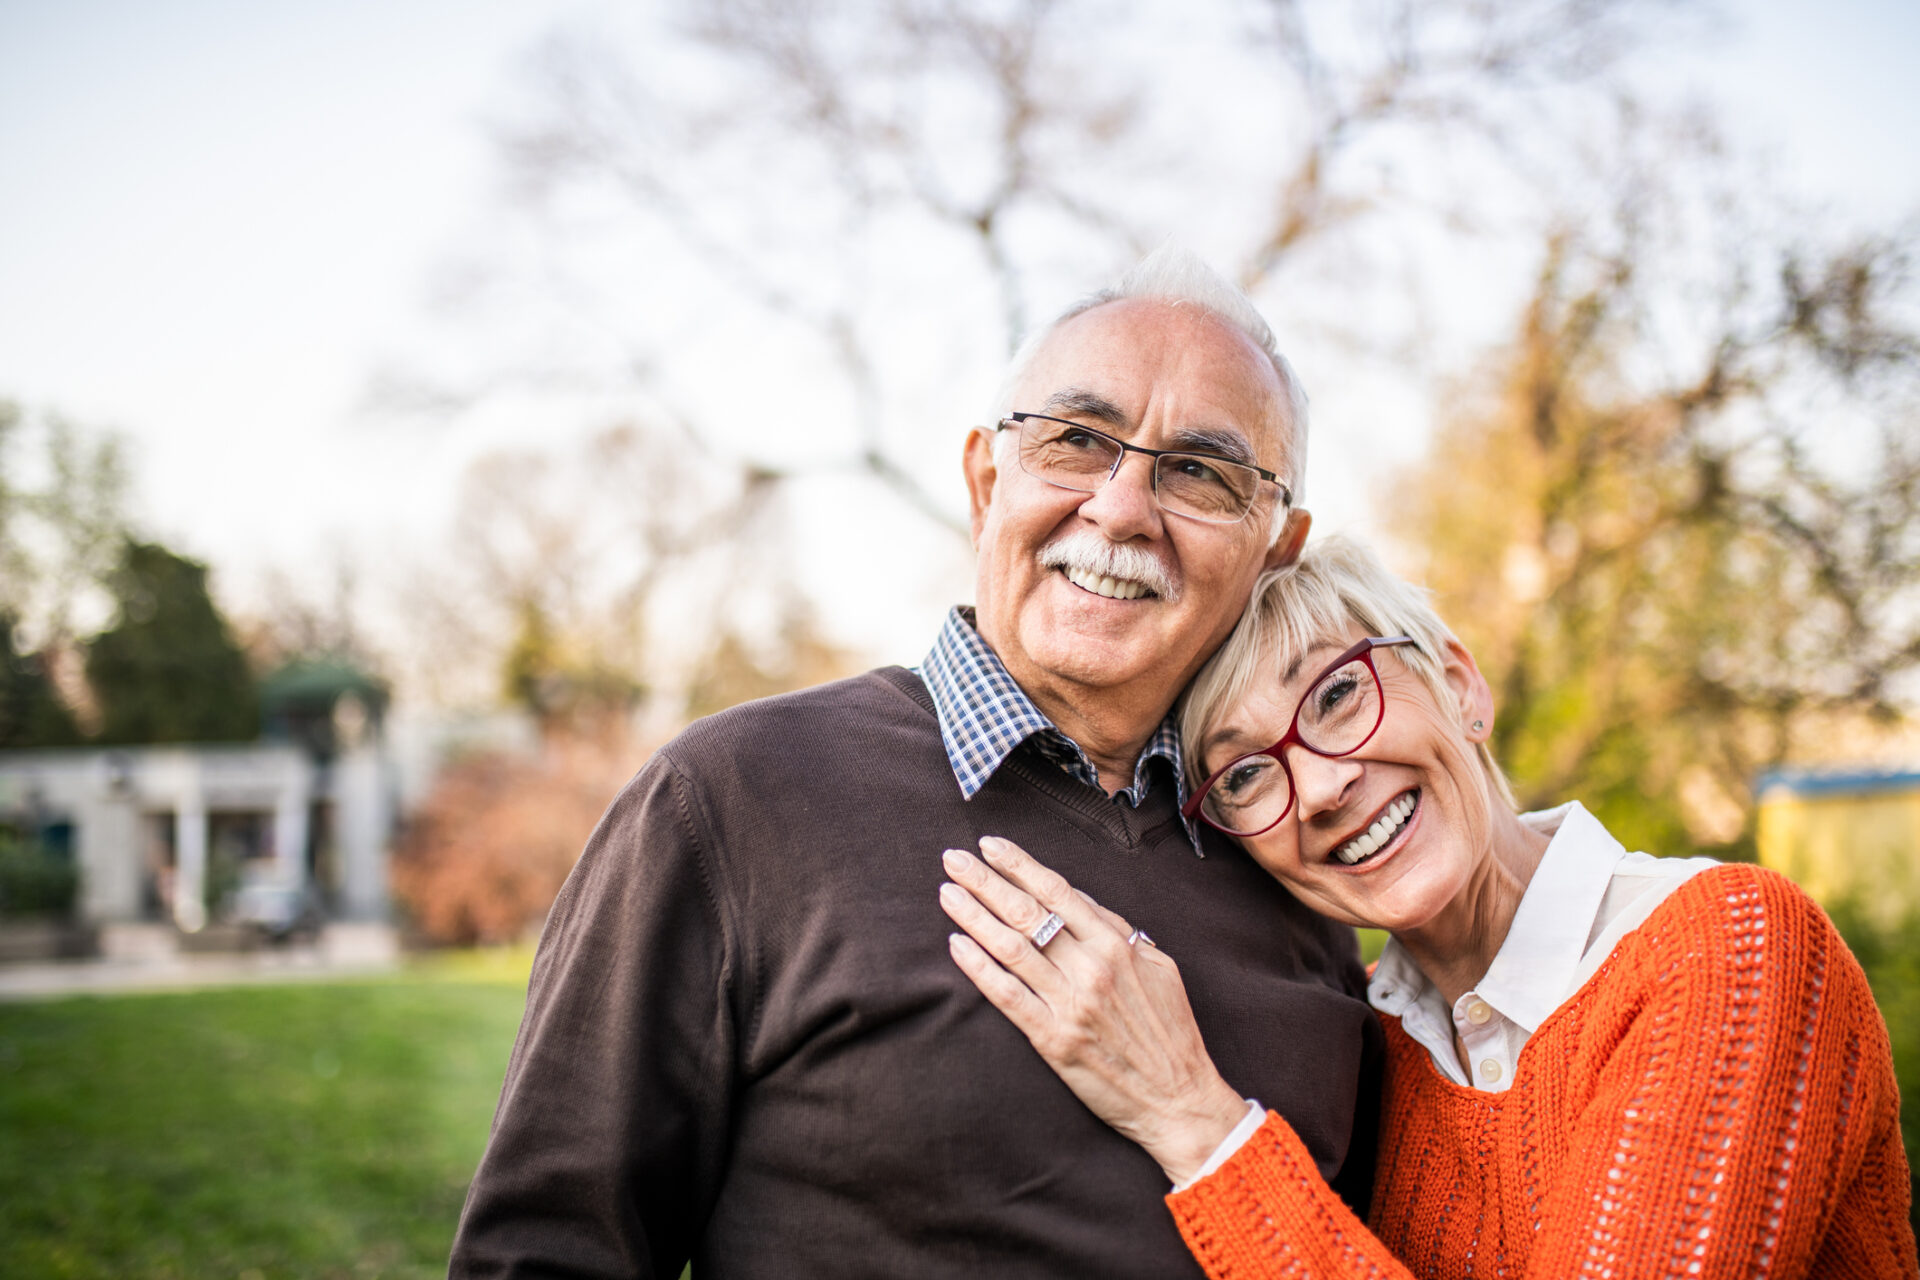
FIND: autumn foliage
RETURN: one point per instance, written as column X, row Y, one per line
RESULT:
column 482, row 859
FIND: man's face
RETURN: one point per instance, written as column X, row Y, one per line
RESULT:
column 1159, row 376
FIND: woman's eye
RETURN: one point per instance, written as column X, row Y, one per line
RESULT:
column 1328, row 697
column 1243, row 777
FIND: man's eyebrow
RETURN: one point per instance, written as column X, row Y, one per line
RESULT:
column 1222, row 442
column 1088, row 405
column 1217, row 441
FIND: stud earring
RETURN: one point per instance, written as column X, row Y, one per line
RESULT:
column 1478, row 725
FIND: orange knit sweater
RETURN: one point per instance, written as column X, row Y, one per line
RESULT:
column 1717, row 1101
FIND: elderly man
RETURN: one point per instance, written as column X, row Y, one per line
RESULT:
column 745, row 1043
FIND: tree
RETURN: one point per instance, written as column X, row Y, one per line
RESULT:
column 789, row 244
column 169, row 670
column 871, row 185
column 62, row 522
column 62, row 500
column 1681, row 527
column 734, row 670
column 31, row 713
column 563, row 559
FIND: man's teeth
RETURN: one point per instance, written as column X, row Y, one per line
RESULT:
column 1384, row 829
column 1117, row 588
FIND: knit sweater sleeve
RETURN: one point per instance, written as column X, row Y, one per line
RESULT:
column 1726, row 1114
column 1743, row 1106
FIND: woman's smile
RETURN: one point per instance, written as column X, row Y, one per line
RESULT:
column 1382, row 837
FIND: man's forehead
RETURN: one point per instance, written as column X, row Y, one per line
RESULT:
column 1106, row 365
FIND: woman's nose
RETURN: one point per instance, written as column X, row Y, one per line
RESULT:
column 1320, row 783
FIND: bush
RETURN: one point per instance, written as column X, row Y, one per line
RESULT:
column 484, row 856
column 1891, row 958
column 33, row 881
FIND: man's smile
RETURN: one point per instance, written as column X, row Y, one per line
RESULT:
column 1112, row 588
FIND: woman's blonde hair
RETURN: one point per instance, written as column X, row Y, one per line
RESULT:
column 1336, row 583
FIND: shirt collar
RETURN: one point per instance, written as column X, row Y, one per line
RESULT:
column 1535, row 967
column 985, row 715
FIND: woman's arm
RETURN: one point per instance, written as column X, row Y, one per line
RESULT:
column 1728, row 1109
column 1110, row 1017
column 1740, row 1119
column 1745, row 1122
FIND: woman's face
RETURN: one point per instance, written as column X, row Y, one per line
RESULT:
column 1419, row 776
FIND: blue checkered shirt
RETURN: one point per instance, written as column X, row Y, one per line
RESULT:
column 984, row 715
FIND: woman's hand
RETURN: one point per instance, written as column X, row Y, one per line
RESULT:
column 1110, row 1017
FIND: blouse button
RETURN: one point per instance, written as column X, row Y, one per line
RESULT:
column 1489, row 1070
column 1478, row 1012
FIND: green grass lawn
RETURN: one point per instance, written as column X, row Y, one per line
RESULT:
column 296, row 1130
column 328, row 1130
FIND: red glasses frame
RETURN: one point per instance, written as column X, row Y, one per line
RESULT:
column 1278, row 751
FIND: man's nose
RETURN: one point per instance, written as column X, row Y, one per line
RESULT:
column 1321, row 784
column 1124, row 506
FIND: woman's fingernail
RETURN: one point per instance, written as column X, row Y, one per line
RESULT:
column 956, row 860
column 951, row 893
column 954, row 940
column 993, row 846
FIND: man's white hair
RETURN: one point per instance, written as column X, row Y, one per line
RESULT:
column 1175, row 274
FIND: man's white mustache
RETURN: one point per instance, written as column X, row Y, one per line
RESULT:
column 1088, row 552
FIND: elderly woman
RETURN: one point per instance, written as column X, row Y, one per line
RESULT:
column 1600, row 1063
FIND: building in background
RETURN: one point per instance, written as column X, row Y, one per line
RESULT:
column 1846, row 837
column 276, row 835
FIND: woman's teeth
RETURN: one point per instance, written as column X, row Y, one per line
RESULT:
column 1116, row 588
column 1368, row 842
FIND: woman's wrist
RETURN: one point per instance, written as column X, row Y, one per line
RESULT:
column 1190, row 1138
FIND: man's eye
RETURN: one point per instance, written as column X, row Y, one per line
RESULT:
column 1198, row 470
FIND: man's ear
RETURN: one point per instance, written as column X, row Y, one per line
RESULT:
column 1473, row 698
column 1286, row 549
column 982, row 471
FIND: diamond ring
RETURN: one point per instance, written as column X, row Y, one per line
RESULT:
column 1048, row 927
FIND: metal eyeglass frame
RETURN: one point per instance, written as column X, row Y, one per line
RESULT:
column 1362, row 649
column 1014, row 420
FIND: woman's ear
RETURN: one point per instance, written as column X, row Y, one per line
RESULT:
column 1472, row 696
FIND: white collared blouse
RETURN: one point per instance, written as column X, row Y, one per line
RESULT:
column 1585, row 896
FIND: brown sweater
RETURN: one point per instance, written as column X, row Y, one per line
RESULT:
column 745, row 1043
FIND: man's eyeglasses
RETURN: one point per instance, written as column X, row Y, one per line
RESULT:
column 1337, row 716
column 1200, row 486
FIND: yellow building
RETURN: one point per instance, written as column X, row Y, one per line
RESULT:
column 1845, row 837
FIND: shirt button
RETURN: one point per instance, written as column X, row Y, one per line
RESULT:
column 1478, row 1012
column 1489, row 1070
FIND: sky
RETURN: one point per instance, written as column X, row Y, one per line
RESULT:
column 223, row 217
